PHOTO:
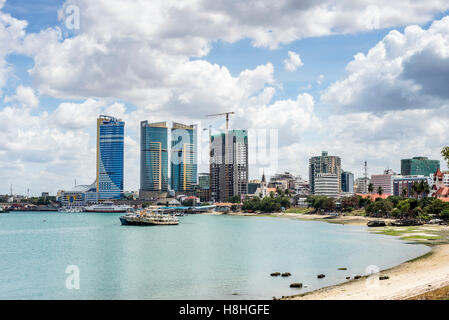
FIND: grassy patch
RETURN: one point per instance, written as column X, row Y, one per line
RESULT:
column 418, row 237
column 299, row 210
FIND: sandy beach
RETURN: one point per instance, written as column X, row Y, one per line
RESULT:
column 417, row 277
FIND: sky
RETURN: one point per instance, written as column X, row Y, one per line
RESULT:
column 364, row 80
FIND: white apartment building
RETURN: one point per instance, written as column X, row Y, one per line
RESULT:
column 327, row 184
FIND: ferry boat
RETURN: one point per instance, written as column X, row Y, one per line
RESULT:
column 108, row 207
column 149, row 218
column 71, row 209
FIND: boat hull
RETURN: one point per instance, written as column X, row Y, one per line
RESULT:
column 126, row 221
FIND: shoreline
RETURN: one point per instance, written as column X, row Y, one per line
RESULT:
column 416, row 277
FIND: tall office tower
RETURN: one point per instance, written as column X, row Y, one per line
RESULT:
column 184, row 163
column 153, row 158
column 324, row 164
column 229, row 165
column 110, row 162
column 347, row 182
column 419, row 166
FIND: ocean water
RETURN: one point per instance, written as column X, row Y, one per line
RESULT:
column 204, row 257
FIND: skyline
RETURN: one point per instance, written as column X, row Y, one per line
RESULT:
column 315, row 85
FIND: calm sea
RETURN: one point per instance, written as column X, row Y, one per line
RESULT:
column 205, row 257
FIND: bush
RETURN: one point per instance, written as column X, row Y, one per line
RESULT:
column 445, row 214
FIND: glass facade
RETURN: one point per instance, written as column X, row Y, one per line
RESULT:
column 110, row 158
column 153, row 156
column 419, row 166
column 184, row 164
column 347, row 182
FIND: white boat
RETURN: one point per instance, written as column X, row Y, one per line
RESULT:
column 149, row 218
column 71, row 209
column 107, row 206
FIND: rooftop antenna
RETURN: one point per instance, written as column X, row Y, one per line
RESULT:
column 11, row 189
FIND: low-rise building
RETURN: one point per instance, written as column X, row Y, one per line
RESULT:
column 403, row 185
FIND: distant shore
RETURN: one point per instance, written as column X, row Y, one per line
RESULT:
column 416, row 278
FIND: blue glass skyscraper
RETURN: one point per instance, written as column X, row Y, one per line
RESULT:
column 153, row 156
column 184, row 166
column 110, row 157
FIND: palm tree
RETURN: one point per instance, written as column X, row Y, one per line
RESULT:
column 416, row 189
column 370, row 188
column 404, row 193
column 380, row 191
column 425, row 189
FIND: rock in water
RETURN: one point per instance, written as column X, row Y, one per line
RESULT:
column 376, row 223
column 296, row 285
column 286, row 274
column 342, row 268
column 275, row 274
column 320, row 276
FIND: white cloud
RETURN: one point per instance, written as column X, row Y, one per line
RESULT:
column 403, row 71
column 293, row 62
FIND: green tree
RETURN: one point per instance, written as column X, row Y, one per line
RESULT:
column 445, row 154
column 404, row 193
column 380, row 191
column 370, row 188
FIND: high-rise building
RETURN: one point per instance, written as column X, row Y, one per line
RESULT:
column 229, row 165
column 110, row 157
column 204, row 186
column 361, row 185
column 385, row 181
column 153, row 157
column 347, row 182
column 324, row 164
column 327, row 184
column 184, row 164
column 419, row 166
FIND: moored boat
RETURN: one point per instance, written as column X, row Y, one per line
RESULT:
column 149, row 218
column 107, row 207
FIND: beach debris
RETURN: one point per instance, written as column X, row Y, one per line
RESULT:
column 321, row 276
column 376, row 223
column 296, row 285
column 286, row 274
column 357, row 277
column 342, row 268
column 384, row 278
column 275, row 274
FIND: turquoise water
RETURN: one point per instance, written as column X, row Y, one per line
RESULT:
column 205, row 257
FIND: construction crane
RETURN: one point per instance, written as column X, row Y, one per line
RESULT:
column 222, row 114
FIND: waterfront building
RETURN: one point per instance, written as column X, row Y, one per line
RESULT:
column 204, row 187
column 283, row 181
column 361, row 185
column 110, row 158
column 385, row 181
column 229, row 165
column 347, row 182
column 406, row 183
column 327, row 184
column 184, row 164
column 153, row 159
column 253, row 185
column 324, row 164
column 419, row 166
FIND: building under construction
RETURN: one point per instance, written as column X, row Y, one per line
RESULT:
column 229, row 165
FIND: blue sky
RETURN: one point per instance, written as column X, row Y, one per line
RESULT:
column 167, row 61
